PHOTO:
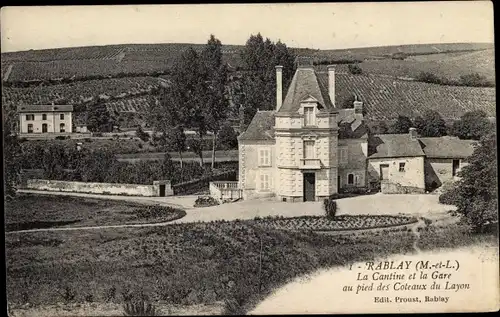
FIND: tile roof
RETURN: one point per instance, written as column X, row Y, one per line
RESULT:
column 304, row 84
column 394, row 145
column 44, row 108
column 260, row 128
column 447, row 147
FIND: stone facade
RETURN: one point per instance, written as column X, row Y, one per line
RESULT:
column 308, row 149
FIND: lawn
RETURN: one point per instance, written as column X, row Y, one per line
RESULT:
column 44, row 211
column 192, row 263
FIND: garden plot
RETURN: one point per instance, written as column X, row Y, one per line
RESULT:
column 47, row 211
column 340, row 223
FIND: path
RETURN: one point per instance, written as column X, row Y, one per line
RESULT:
column 378, row 204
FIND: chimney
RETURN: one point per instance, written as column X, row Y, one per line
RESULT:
column 279, row 87
column 358, row 106
column 413, row 133
column 331, row 83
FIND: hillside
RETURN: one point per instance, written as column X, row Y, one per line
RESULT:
column 122, row 76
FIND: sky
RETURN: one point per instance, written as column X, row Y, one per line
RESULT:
column 317, row 26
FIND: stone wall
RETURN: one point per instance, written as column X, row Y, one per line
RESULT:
column 388, row 187
column 94, row 188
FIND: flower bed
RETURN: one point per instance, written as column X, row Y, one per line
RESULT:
column 319, row 223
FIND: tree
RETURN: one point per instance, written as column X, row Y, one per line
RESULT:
column 434, row 125
column 197, row 147
column 177, row 140
column 419, row 124
column 429, row 78
column 12, row 160
column 379, row 127
column 355, row 69
column 99, row 118
column 217, row 104
column 475, row 194
column 472, row 125
column 402, row 125
column 228, row 137
column 259, row 83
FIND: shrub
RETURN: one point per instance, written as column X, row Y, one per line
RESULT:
column 205, row 201
column 355, row 69
column 62, row 137
column 330, row 206
column 139, row 308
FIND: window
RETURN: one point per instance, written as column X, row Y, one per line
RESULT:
column 264, row 157
column 356, row 180
column 30, row 117
column 264, row 182
column 62, row 128
column 309, row 150
column 401, row 167
column 343, row 158
column 44, row 116
column 309, row 116
column 350, row 179
column 61, row 116
column 30, row 128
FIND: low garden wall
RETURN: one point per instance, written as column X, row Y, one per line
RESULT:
column 394, row 188
column 93, row 188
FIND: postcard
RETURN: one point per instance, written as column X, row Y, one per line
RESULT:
column 231, row 159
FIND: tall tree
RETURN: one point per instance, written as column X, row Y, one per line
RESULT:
column 472, row 125
column 259, row 84
column 217, row 104
column 401, row 125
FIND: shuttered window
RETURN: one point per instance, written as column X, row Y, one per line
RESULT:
column 264, row 182
column 309, row 118
column 264, row 157
column 309, row 150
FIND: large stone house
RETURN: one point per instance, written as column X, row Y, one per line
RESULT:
column 309, row 148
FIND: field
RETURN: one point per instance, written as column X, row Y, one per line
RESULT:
column 64, row 211
column 385, row 98
column 123, row 76
column 192, row 263
column 447, row 65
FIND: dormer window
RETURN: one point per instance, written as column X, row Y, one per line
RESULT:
column 309, row 118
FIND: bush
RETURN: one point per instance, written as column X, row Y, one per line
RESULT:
column 330, row 206
column 62, row 137
column 205, row 201
column 139, row 308
column 355, row 69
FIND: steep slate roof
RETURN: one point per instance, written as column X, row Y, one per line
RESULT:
column 394, row 145
column 447, row 147
column 44, row 108
column 305, row 83
column 260, row 128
